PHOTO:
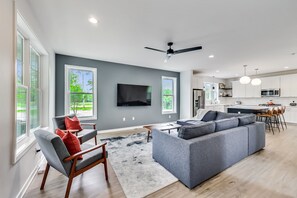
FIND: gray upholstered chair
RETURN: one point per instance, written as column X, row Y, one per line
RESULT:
column 84, row 135
column 58, row 157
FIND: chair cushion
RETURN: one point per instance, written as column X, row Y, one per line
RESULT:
column 87, row 134
column 225, row 124
column 209, row 116
column 60, row 133
column 90, row 157
column 72, row 144
column 247, row 119
column 72, row 123
column 192, row 131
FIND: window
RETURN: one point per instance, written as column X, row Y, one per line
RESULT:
column 20, row 59
column 211, row 92
column 81, row 91
column 168, row 95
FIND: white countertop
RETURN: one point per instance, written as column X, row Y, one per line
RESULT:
column 212, row 105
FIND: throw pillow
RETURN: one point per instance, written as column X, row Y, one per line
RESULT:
column 209, row 116
column 60, row 133
column 247, row 119
column 193, row 131
column 72, row 144
column 72, row 123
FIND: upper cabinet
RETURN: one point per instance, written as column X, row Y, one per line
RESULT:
column 238, row 90
column 245, row 91
column 270, row 82
column 288, row 85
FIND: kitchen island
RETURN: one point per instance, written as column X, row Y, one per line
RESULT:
column 247, row 109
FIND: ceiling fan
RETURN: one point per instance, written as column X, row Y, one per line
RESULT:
column 171, row 52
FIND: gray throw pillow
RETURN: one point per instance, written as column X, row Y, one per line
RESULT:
column 209, row 116
column 247, row 119
column 193, row 131
column 225, row 124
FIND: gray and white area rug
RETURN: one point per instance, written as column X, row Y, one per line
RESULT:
column 137, row 172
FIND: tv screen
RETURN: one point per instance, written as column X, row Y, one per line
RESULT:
column 134, row 95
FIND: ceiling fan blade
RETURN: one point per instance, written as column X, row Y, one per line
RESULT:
column 155, row 49
column 187, row 50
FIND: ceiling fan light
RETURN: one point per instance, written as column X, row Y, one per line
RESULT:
column 256, row 81
column 245, row 80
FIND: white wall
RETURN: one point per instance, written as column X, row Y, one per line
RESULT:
column 186, row 94
column 12, row 176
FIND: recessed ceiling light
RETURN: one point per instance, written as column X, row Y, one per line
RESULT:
column 286, row 67
column 217, row 71
column 93, row 20
column 211, row 56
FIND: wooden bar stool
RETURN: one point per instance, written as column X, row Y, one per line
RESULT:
column 283, row 110
column 267, row 116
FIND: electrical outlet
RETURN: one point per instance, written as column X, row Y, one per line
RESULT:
column 124, row 119
column 133, row 118
column 169, row 116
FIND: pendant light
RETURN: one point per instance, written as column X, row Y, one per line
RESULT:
column 245, row 79
column 256, row 81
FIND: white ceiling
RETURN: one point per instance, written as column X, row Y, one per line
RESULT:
column 261, row 34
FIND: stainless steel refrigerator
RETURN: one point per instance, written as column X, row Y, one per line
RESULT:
column 198, row 100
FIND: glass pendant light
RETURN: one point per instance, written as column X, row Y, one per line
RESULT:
column 256, row 81
column 245, row 79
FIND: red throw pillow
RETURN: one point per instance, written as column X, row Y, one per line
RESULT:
column 72, row 123
column 72, row 144
column 60, row 133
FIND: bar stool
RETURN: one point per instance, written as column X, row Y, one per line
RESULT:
column 267, row 116
column 276, row 118
column 283, row 110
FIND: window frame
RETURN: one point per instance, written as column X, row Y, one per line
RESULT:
column 174, row 95
column 67, row 90
column 213, row 84
column 23, row 63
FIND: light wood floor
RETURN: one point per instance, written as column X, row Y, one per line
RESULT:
column 270, row 173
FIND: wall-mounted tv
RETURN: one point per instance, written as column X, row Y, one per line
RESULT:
column 134, row 95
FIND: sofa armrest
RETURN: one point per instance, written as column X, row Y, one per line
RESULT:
column 173, row 153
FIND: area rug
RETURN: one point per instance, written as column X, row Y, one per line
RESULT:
column 137, row 172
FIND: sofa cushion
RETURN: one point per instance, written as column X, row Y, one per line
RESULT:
column 193, row 131
column 222, row 115
column 225, row 124
column 247, row 119
column 209, row 116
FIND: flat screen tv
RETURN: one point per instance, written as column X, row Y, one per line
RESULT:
column 134, row 95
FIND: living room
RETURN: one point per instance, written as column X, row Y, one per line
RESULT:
column 103, row 48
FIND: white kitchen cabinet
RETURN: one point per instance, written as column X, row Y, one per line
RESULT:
column 252, row 91
column 238, row 90
column 270, row 82
column 288, row 85
column 291, row 114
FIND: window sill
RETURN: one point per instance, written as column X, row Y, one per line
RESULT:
column 87, row 118
column 168, row 112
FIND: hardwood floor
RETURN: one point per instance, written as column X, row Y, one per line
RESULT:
column 271, row 173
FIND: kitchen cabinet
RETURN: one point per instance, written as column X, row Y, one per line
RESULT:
column 270, row 82
column 252, row 91
column 288, row 85
column 238, row 90
column 291, row 114
column 215, row 107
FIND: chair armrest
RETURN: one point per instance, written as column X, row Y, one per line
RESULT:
column 89, row 124
column 84, row 152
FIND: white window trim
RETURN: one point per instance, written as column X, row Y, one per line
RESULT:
column 23, row 144
column 67, row 91
column 174, row 79
column 212, row 100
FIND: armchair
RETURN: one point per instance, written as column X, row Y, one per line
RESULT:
column 58, row 157
column 84, row 135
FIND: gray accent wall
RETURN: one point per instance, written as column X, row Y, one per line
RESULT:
column 109, row 74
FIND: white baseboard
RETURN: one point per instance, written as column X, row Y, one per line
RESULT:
column 30, row 178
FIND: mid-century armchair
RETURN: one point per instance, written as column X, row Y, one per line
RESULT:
column 58, row 157
column 84, row 135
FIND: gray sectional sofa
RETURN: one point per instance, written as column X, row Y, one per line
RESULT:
column 204, row 149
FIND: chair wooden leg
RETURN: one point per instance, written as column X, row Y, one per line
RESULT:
column 105, row 170
column 68, row 186
column 95, row 140
column 44, row 176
